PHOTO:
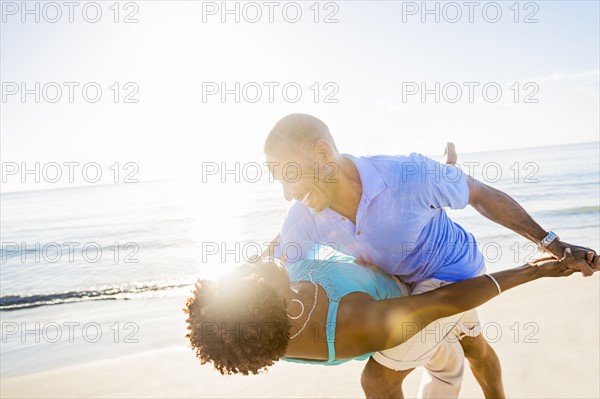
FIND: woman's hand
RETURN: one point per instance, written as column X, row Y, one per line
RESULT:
column 550, row 267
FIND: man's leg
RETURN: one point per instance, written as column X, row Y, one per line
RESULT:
column 485, row 365
column 483, row 360
column 450, row 156
column 443, row 360
column 381, row 382
column 443, row 372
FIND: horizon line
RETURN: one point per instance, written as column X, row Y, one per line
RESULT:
column 81, row 186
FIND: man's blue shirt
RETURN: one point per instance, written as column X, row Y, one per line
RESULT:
column 401, row 225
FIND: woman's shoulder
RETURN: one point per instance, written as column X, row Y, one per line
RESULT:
column 341, row 274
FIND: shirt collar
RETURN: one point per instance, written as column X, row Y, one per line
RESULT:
column 371, row 181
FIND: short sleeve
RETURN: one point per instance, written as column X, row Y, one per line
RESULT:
column 294, row 242
column 442, row 185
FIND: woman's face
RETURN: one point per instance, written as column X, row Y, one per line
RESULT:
column 272, row 271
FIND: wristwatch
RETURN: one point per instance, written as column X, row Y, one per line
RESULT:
column 547, row 240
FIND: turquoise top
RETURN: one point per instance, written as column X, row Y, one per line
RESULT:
column 340, row 276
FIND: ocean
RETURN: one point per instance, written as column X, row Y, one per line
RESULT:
column 154, row 239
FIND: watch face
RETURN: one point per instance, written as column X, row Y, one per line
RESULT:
column 549, row 238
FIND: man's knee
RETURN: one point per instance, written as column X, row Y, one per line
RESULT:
column 373, row 374
column 380, row 381
column 476, row 347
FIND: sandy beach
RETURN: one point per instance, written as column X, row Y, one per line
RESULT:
column 546, row 334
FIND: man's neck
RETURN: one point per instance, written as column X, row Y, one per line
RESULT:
column 348, row 190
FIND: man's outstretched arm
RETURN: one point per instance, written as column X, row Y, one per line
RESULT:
column 502, row 209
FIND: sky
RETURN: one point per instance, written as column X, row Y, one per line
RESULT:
column 371, row 70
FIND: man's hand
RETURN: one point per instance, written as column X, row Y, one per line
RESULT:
column 586, row 260
column 550, row 267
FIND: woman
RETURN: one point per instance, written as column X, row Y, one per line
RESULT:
column 327, row 312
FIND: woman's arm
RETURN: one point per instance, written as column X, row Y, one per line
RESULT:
column 391, row 322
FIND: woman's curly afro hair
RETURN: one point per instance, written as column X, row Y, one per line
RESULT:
column 238, row 324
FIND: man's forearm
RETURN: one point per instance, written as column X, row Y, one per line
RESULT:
column 501, row 208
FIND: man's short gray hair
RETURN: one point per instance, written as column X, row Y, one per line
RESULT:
column 297, row 132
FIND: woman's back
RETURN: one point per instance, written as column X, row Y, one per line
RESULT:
column 340, row 276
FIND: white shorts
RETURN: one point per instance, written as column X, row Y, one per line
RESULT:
column 418, row 350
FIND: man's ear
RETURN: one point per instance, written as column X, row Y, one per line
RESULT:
column 323, row 152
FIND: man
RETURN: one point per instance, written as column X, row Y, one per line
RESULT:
column 389, row 211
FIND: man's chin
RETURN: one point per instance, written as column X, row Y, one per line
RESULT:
column 318, row 208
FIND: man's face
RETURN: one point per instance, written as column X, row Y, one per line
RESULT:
column 302, row 177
